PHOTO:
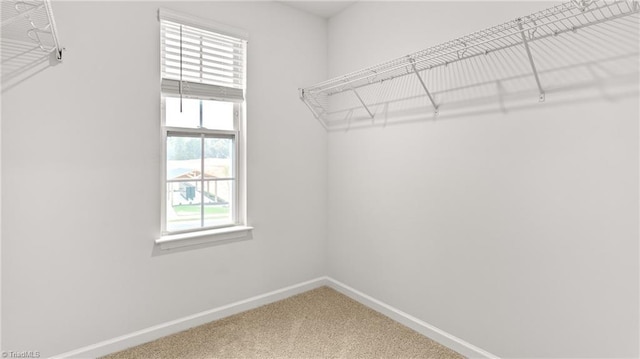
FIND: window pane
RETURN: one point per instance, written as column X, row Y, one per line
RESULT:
column 183, row 206
column 218, row 160
column 189, row 117
column 217, row 115
column 219, row 208
column 184, row 157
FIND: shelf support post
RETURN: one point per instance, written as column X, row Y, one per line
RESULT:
column 362, row 102
column 533, row 65
column 424, row 86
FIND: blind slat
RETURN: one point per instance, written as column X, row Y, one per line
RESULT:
column 205, row 47
column 225, row 56
column 192, row 76
column 201, row 91
column 194, row 31
column 197, row 35
column 209, row 65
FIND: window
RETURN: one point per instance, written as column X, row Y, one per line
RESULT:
column 202, row 92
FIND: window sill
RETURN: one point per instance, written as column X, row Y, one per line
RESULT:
column 202, row 237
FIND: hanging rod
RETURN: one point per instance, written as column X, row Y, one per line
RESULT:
column 31, row 21
column 519, row 33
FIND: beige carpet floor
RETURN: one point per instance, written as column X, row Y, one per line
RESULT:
column 320, row 323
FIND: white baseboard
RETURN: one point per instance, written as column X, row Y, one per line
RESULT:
column 178, row 325
column 426, row 329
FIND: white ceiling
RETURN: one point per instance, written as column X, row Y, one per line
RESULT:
column 325, row 9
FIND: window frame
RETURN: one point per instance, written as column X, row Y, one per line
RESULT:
column 237, row 174
column 238, row 229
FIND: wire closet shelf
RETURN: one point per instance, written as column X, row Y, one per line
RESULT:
column 31, row 22
column 518, row 34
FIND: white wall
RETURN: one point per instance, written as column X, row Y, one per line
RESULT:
column 81, row 189
column 516, row 232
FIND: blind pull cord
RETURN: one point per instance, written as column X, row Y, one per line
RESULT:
column 180, row 87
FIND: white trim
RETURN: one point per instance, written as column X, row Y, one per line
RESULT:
column 1, row 347
column 424, row 328
column 206, row 236
column 178, row 325
column 177, row 131
column 205, row 24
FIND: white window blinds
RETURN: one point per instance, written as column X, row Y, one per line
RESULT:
column 200, row 62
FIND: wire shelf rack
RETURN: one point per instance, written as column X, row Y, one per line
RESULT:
column 519, row 54
column 30, row 22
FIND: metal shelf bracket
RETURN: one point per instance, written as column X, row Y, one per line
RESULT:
column 362, row 102
column 424, row 86
column 525, row 42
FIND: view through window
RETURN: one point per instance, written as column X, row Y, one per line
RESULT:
column 201, row 175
